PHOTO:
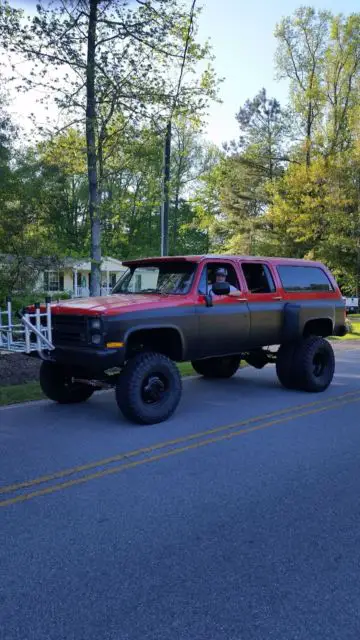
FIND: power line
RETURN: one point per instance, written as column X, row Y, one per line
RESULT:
column 187, row 42
column 167, row 146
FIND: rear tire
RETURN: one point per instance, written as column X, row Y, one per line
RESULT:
column 224, row 367
column 285, row 365
column 314, row 364
column 148, row 389
column 56, row 384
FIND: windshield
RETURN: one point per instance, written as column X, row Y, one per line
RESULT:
column 163, row 278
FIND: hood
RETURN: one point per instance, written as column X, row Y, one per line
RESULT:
column 111, row 305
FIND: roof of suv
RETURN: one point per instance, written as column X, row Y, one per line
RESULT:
column 200, row 258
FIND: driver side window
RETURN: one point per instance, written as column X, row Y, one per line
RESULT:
column 209, row 275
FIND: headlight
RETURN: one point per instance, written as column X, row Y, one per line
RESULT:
column 96, row 338
column 95, row 324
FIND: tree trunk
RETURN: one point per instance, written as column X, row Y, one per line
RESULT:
column 308, row 135
column 91, row 153
column 177, row 186
column 165, row 196
column 358, row 242
column 176, row 211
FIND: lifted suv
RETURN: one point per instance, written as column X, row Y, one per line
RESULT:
column 210, row 310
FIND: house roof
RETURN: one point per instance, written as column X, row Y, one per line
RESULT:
column 107, row 264
column 48, row 262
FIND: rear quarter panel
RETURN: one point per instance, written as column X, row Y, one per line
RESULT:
column 315, row 305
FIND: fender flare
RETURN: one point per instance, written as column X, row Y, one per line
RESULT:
column 147, row 327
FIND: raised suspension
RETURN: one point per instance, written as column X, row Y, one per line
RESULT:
column 259, row 358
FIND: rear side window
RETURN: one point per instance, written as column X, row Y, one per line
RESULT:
column 304, row 279
column 258, row 277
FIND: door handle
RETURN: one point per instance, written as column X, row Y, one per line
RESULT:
column 277, row 298
column 241, row 299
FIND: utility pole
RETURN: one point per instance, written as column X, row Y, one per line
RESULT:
column 165, row 195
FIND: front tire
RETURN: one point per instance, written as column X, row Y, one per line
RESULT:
column 57, row 385
column 224, row 367
column 148, row 389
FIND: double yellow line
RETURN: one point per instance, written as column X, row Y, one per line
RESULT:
column 23, row 491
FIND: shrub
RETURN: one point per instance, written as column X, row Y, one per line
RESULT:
column 349, row 326
column 21, row 301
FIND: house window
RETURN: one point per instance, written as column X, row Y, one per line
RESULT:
column 78, row 282
column 54, row 281
column 113, row 280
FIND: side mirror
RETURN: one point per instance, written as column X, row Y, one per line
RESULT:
column 208, row 300
column 221, row 288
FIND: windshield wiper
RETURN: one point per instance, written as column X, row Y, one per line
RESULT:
column 118, row 293
column 158, row 291
column 150, row 290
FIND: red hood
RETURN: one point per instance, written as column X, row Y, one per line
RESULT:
column 111, row 305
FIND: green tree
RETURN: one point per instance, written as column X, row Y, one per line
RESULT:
column 300, row 57
column 341, row 78
column 209, row 219
column 315, row 214
column 192, row 158
column 26, row 246
column 112, row 58
column 258, row 156
column 61, row 162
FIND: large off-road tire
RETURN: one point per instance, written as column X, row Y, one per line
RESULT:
column 149, row 388
column 56, row 383
column 285, row 365
column 224, row 367
column 314, row 363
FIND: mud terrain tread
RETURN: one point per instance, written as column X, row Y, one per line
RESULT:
column 53, row 383
column 128, row 388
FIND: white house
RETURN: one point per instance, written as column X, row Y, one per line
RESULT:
column 74, row 277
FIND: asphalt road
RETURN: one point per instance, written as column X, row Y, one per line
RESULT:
column 238, row 519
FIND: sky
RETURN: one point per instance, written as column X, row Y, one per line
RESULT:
column 241, row 34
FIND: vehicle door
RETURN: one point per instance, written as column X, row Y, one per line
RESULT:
column 265, row 301
column 225, row 325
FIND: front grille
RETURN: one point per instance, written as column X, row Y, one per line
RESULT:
column 69, row 330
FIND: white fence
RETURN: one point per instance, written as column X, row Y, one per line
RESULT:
column 31, row 332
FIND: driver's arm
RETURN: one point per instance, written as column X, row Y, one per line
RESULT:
column 234, row 291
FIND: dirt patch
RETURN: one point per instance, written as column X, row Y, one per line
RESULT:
column 16, row 368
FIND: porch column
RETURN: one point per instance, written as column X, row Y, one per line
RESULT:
column 75, row 282
column 107, row 280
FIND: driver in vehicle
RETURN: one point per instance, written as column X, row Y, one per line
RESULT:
column 221, row 275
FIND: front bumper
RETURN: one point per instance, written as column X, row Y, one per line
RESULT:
column 92, row 359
